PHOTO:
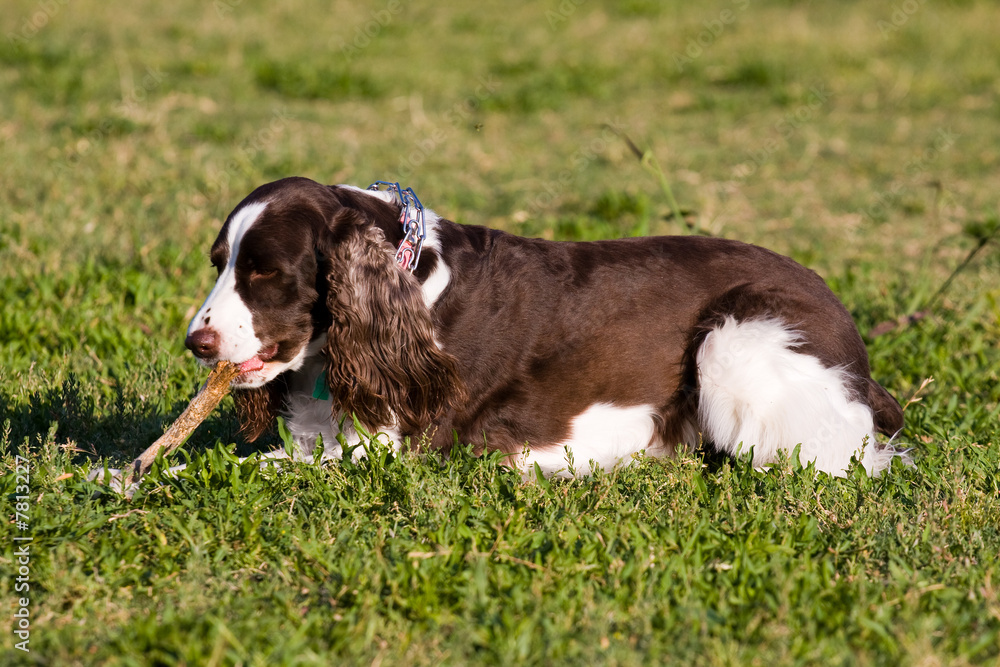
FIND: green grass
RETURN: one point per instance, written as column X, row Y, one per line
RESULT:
column 865, row 149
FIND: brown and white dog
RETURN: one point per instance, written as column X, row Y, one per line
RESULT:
column 565, row 355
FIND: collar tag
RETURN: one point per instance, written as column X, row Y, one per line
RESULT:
column 321, row 391
column 411, row 217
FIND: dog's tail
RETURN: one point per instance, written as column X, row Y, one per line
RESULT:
column 885, row 409
column 888, row 418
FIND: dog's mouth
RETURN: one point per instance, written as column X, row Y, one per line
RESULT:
column 258, row 361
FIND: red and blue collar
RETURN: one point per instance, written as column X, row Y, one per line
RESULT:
column 412, row 218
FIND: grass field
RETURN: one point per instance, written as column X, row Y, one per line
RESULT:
column 863, row 139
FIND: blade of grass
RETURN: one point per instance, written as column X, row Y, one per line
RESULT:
column 648, row 161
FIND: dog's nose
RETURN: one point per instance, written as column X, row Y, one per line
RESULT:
column 204, row 343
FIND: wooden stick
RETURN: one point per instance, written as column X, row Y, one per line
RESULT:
column 210, row 395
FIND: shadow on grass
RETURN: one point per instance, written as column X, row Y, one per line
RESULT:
column 72, row 417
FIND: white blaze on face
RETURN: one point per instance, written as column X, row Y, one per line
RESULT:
column 224, row 310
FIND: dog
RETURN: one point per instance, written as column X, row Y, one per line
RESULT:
column 347, row 307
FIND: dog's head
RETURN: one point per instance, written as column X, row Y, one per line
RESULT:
column 304, row 269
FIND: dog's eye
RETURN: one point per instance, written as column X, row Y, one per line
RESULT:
column 263, row 274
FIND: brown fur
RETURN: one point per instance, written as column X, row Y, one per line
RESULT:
column 257, row 408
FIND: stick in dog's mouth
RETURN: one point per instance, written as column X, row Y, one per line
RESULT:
column 210, row 395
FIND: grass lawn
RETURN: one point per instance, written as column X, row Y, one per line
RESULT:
column 862, row 139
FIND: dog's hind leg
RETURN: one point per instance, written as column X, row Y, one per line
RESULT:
column 756, row 390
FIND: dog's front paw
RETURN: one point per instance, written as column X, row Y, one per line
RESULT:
column 115, row 479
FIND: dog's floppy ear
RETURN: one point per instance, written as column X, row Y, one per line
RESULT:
column 382, row 362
